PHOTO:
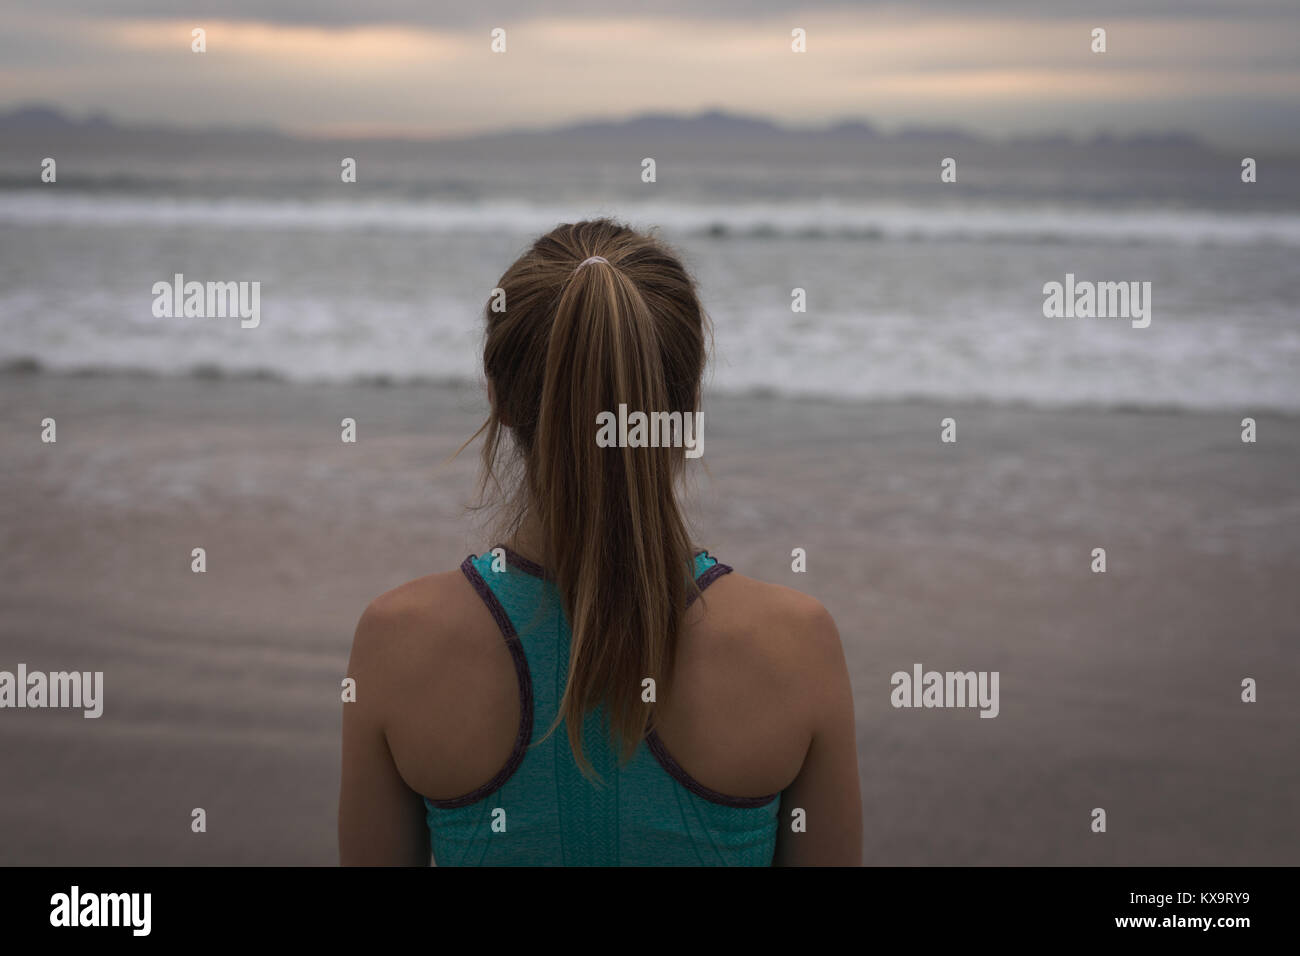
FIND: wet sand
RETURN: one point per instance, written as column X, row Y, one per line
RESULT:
column 1118, row 690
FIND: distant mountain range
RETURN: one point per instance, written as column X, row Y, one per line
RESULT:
column 710, row 126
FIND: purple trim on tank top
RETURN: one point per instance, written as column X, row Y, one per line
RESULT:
column 515, row 559
column 675, row 771
column 525, row 694
column 709, row 576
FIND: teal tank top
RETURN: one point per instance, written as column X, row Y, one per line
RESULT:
column 539, row 810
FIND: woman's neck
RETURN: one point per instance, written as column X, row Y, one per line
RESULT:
column 527, row 541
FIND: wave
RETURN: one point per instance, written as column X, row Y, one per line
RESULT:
column 1043, row 393
column 826, row 219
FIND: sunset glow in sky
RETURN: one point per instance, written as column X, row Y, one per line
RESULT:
column 1228, row 71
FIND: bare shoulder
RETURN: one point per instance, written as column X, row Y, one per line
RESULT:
column 753, row 671
column 420, row 631
column 759, row 650
column 435, row 678
column 411, row 614
column 780, row 627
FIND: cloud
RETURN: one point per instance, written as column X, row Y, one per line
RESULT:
column 455, row 14
column 1025, row 69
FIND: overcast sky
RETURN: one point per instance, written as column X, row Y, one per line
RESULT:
column 1228, row 70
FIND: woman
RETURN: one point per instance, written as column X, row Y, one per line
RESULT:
column 573, row 696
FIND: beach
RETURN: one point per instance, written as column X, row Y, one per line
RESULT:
column 1119, row 690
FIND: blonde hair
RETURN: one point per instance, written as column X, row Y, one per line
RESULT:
column 580, row 336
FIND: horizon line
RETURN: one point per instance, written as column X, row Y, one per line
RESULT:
column 103, row 120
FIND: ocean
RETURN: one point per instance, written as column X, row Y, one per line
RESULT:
column 914, row 289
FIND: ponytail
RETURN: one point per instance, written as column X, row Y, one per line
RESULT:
column 619, row 325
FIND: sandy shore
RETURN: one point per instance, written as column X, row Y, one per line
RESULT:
column 1118, row 690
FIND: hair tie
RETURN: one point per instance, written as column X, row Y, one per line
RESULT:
column 592, row 259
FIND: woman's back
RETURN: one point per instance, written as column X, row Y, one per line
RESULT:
column 541, row 809
column 759, row 677
column 603, row 710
